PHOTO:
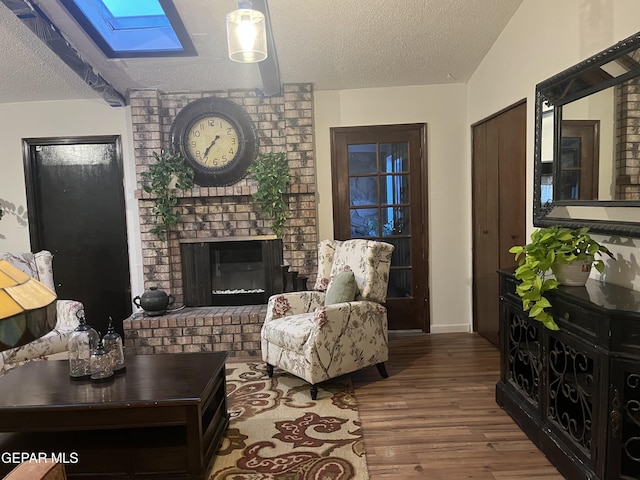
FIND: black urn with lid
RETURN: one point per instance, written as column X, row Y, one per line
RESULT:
column 154, row 302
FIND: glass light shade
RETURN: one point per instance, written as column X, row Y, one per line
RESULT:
column 27, row 307
column 246, row 35
column 112, row 342
column 82, row 341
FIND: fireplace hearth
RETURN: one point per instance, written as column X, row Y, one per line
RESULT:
column 231, row 271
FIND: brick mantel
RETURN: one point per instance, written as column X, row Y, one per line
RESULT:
column 283, row 123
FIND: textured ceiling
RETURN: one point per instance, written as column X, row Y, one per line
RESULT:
column 333, row 44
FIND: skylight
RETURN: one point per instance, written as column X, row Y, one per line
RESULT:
column 128, row 28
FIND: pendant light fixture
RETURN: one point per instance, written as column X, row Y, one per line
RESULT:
column 246, row 34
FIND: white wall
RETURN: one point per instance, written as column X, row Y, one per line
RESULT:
column 543, row 38
column 443, row 109
column 60, row 119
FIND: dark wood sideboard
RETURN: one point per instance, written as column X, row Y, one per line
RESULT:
column 575, row 392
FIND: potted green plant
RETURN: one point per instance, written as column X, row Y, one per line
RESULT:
column 271, row 171
column 164, row 177
column 549, row 250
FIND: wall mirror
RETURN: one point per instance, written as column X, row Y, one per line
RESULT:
column 587, row 144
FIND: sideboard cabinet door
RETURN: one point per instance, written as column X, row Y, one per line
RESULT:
column 573, row 377
column 523, row 364
column 624, row 421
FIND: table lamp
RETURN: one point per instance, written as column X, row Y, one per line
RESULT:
column 27, row 307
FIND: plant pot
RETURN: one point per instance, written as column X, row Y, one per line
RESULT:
column 573, row 274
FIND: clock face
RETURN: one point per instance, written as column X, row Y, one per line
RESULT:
column 212, row 141
column 216, row 138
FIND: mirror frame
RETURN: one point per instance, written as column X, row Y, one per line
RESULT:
column 546, row 91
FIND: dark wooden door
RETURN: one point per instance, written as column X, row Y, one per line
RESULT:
column 577, row 171
column 75, row 197
column 379, row 193
column 499, row 209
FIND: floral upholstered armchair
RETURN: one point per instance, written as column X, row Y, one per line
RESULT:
column 40, row 266
column 339, row 327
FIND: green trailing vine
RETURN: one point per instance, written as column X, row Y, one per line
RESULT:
column 540, row 257
column 271, row 171
column 164, row 178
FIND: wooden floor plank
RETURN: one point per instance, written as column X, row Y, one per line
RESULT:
column 435, row 417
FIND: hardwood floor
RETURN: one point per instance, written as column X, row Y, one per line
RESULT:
column 436, row 418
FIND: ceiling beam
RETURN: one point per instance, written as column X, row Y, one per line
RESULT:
column 50, row 35
column 269, row 68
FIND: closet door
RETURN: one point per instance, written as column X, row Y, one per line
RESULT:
column 499, row 209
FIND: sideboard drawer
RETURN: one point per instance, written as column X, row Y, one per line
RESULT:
column 575, row 319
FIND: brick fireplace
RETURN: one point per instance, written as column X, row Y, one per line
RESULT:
column 284, row 123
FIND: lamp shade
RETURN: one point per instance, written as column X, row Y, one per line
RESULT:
column 247, row 35
column 27, row 307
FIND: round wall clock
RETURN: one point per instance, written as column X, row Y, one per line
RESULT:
column 217, row 139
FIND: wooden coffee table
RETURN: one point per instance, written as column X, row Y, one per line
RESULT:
column 163, row 418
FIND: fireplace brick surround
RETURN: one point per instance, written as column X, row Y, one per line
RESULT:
column 235, row 330
column 284, row 123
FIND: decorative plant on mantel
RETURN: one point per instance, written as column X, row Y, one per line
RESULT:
column 271, row 171
column 168, row 174
column 550, row 247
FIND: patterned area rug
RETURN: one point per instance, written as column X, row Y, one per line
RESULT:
column 277, row 432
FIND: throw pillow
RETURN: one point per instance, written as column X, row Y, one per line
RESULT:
column 342, row 288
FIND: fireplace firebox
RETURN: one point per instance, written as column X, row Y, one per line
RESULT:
column 231, row 271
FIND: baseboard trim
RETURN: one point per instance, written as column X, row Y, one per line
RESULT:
column 459, row 328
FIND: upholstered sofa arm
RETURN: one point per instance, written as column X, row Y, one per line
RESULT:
column 348, row 333
column 67, row 315
column 358, row 318
column 293, row 303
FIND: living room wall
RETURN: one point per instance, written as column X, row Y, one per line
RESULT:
column 543, row 38
column 443, row 109
column 60, row 119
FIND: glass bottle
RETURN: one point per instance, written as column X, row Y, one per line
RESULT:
column 82, row 341
column 100, row 363
column 112, row 342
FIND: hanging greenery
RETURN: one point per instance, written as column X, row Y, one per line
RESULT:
column 164, row 178
column 271, row 171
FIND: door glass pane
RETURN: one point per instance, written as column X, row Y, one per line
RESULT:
column 362, row 159
column 394, row 189
column 379, row 182
column 569, row 185
column 399, row 283
column 401, row 256
column 571, row 149
column 364, row 222
column 394, row 157
column 395, row 221
column 363, row 191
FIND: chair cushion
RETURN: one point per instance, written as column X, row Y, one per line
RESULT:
column 342, row 288
column 290, row 333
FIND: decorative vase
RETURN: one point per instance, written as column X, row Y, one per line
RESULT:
column 154, row 302
column 573, row 274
